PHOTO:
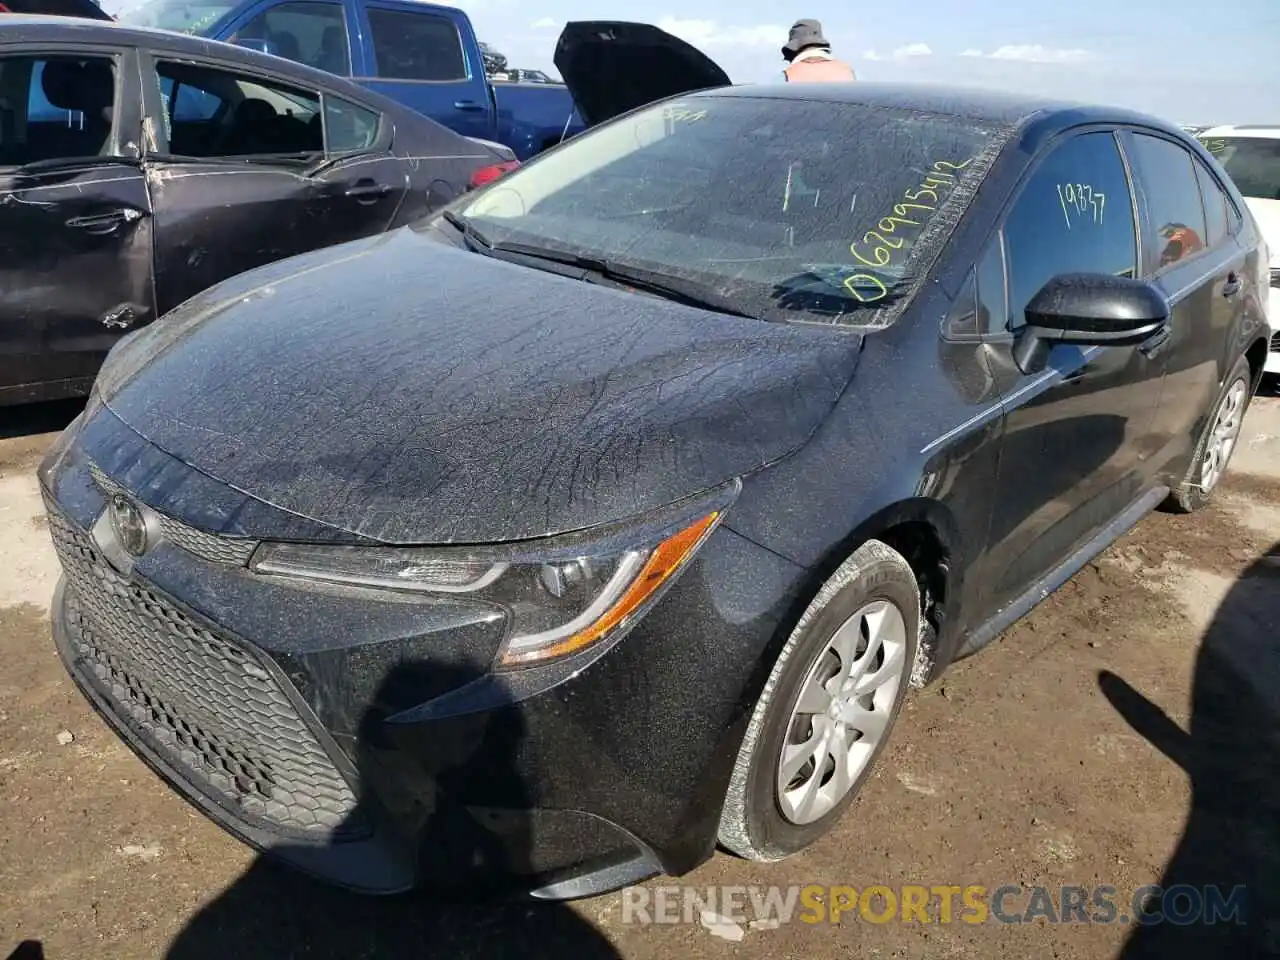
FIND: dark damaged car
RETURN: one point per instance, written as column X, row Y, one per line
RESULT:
column 612, row 513
column 138, row 167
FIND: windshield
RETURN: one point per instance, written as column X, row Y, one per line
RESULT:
column 1252, row 162
column 181, row 16
column 797, row 210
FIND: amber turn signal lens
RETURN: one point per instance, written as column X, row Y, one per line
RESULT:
column 662, row 564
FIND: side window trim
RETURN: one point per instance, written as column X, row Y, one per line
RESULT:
column 1139, row 188
column 1046, row 150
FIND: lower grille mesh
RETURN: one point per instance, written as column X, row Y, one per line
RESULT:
column 204, row 704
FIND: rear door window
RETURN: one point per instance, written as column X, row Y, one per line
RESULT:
column 237, row 115
column 1216, row 206
column 1074, row 215
column 1175, row 221
column 416, row 46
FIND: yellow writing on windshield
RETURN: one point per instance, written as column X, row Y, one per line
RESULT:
column 681, row 114
column 1215, row 146
column 859, row 284
column 878, row 247
column 1081, row 201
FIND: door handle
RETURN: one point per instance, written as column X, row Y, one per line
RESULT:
column 1232, row 286
column 1155, row 343
column 104, row 224
column 367, row 191
column 469, row 105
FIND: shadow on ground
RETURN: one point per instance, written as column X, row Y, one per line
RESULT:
column 274, row 912
column 1231, row 838
column 30, row 419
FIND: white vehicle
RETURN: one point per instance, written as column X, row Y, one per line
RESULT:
column 1251, row 156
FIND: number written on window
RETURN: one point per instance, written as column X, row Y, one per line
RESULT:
column 1081, row 203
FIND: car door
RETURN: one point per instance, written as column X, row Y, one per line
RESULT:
column 1078, row 434
column 1192, row 255
column 240, row 176
column 75, row 222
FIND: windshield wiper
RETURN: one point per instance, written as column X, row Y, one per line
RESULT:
column 647, row 281
column 473, row 237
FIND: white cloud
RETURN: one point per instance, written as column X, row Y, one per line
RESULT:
column 709, row 33
column 1036, row 53
column 544, row 23
column 912, row 50
column 871, row 55
column 971, row 52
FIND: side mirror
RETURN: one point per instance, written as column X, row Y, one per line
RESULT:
column 1089, row 309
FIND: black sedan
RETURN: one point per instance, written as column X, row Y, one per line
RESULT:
column 612, row 513
column 139, row 167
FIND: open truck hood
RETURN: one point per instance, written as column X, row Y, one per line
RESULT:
column 613, row 66
column 56, row 8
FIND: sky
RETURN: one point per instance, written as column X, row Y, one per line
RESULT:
column 1175, row 58
column 1167, row 57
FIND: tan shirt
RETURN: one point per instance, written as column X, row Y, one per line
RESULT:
column 817, row 65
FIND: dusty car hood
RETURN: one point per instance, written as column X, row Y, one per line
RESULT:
column 611, row 67
column 406, row 391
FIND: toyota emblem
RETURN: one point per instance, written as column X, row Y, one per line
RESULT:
column 129, row 526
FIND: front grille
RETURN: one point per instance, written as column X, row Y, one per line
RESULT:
column 206, row 546
column 205, row 704
column 1275, row 276
column 1275, row 342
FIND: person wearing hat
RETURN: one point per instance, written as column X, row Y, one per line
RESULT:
column 808, row 55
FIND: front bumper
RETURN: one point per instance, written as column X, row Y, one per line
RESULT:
column 363, row 739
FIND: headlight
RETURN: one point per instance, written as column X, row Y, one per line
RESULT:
column 560, row 596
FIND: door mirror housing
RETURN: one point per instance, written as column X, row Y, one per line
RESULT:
column 1089, row 309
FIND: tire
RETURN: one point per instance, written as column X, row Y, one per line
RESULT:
column 762, row 820
column 1217, row 442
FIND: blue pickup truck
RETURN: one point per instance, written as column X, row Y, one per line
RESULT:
column 424, row 55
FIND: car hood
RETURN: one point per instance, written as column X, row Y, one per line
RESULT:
column 611, row 67
column 406, row 391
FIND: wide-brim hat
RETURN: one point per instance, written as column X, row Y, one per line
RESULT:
column 805, row 33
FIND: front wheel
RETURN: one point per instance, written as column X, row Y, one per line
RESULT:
column 1213, row 452
column 827, row 708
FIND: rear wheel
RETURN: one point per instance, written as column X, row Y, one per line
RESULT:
column 827, row 708
column 1218, row 442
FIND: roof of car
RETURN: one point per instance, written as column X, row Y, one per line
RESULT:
column 972, row 102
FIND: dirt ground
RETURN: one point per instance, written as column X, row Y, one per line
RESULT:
column 1124, row 734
